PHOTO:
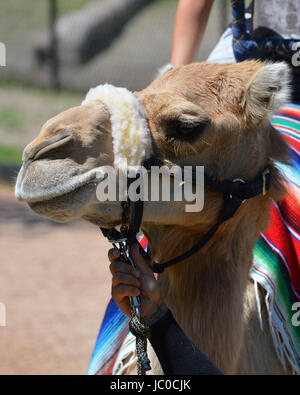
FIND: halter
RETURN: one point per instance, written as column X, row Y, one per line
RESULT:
column 235, row 193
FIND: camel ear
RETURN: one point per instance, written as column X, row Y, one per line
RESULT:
column 268, row 91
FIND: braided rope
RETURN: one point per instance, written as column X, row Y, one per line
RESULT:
column 142, row 332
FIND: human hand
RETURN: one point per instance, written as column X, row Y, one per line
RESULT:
column 128, row 281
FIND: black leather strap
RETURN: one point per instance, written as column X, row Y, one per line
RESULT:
column 242, row 189
column 230, row 206
column 235, row 192
column 136, row 216
column 111, row 234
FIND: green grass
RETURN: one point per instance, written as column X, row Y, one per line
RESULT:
column 10, row 155
column 10, row 119
column 66, row 6
column 11, row 83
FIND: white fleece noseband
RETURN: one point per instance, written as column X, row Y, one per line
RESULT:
column 130, row 132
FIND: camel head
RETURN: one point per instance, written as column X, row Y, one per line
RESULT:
column 201, row 114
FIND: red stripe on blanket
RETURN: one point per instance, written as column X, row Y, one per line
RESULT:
column 290, row 210
column 283, row 239
column 290, row 112
column 292, row 141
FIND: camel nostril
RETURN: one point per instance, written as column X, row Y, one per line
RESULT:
column 52, row 147
column 49, row 145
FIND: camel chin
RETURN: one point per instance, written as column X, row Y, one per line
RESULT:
column 64, row 208
column 65, row 204
column 61, row 194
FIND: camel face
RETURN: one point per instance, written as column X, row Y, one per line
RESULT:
column 201, row 114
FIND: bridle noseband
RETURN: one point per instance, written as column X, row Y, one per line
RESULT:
column 235, row 193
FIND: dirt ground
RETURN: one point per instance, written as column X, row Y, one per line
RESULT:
column 55, row 283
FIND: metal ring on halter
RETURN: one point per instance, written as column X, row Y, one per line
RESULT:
column 243, row 182
column 240, row 180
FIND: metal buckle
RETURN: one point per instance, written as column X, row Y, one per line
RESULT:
column 264, row 186
column 112, row 241
column 243, row 182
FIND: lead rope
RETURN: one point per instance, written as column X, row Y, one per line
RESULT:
column 142, row 332
column 137, row 325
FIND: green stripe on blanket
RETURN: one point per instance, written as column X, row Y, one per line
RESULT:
column 283, row 122
column 269, row 271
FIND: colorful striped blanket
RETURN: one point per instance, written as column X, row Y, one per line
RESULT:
column 276, row 268
column 276, row 264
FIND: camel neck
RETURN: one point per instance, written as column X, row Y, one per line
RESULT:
column 206, row 292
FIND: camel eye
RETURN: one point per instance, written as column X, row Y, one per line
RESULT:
column 185, row 131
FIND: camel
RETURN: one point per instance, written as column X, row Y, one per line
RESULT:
column 216, row 115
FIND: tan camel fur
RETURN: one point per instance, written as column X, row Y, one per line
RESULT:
column 201, row 114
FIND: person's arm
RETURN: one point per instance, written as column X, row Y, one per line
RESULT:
column 190, row 24
column 176, row 352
